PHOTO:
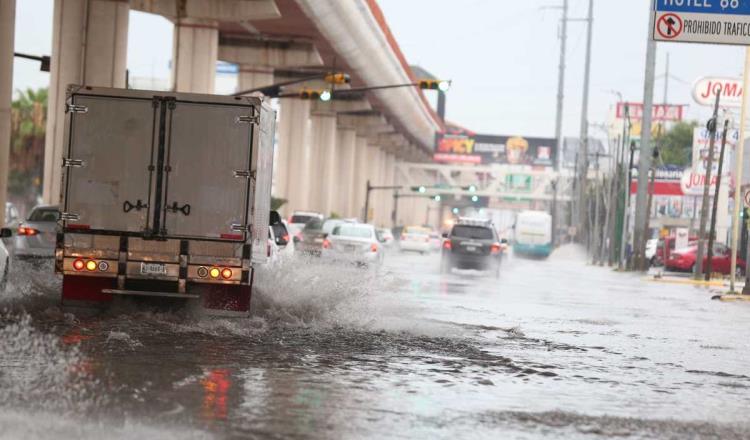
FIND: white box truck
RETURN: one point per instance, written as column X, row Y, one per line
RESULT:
column 164, row 194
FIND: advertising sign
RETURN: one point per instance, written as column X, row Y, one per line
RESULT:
column 494, row 149
column 681, row 239
column 659, row 112
column 705, row 90
column 701, row 137
column 702, row 21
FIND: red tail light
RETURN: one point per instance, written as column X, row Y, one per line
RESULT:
column 447, row 245
column 326, row 244
column 78, row 264
column 23, row 230
column 226, row 273
column 285, row 237
column 495, row 248
column 374, row 247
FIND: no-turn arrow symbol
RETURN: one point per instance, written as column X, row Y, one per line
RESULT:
column 669, row 26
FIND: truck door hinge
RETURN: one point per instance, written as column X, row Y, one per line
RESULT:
column 73, row 163
column 247, row 119
column 73, row 108
column 245, row 174
column 239, row 228
column 69, row 216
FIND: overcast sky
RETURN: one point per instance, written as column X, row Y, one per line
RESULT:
column 502, row 56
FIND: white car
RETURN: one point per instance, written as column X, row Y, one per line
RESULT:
column 299, row 219
column 354, row 243
column 416, row 239
column 4, row 258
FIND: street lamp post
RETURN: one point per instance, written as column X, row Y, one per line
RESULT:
column 367, row 196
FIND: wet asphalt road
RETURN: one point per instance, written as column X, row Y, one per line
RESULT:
column 553, row 349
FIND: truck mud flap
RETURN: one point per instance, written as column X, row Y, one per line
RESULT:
column 225, row 300
column 86, row 291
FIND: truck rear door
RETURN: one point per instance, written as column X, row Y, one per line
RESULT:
column 108, row 162
column 207, row 172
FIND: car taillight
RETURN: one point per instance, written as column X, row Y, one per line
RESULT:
column 91, row 265
column 285, row 237
column 78, row 264
column 326, row 244
column 447, row 245
column 214, row 272
column 226, row 273
column 24, row 230
column 495, row 248
column 373, row 247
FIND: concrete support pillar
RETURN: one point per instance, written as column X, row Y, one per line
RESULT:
column 7, row 29
column 360, row 177
column 293, row 159
column 90, row 45
column 323, row 161
column 371, row 172
column 382, row 213
column 195, row 48
column 389, row 180
column 343, row 188
column 253, row 77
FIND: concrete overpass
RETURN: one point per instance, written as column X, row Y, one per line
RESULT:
column 326, row 151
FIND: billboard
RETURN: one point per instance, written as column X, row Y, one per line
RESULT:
column 495, row 149
column 659, row 112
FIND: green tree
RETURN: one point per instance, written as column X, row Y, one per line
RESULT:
column 676, row 145
column 28, row 126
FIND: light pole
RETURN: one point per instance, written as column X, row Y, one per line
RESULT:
column 365, row 215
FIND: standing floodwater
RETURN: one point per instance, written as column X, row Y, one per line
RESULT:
column 543, row 352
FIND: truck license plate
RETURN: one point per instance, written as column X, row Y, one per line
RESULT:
column 153, row 269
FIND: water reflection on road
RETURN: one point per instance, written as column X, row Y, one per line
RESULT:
column 552, row 349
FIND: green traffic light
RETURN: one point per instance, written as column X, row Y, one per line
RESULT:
column 422, row 189
column 473, row 188
column 475, row 198
column 437, row 197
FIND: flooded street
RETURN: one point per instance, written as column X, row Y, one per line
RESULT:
column 553, row 349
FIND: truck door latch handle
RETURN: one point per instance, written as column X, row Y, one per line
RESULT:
column 127, row 206
column 184, row 209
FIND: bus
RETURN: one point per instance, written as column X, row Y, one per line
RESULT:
column 533, row 234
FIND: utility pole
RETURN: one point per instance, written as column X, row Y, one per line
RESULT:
column 597, row 232
column 711, row 127
column 561, row 84
column 583, row 156
column 644, row 161
column 712, row 230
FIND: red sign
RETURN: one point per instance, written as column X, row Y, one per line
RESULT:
column 457, row 158
column 659, row 112
column 669, row 26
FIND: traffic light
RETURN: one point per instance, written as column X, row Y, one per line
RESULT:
column 434, row 84
column 470, row 188
column 420, row 189
column 322, row 95
column 474, row 199
column 337, row 78
column 455, row 211
column 437, row 197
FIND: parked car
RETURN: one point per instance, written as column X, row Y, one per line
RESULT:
column 354, row 243
column 658, row 258
column 4, row 258
column 684, row 259
column 298, row 219
column 416, row 239
column 36, row 236
column 472, row 244
column 310, row 239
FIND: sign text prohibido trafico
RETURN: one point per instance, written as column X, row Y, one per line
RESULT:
column 702, row 21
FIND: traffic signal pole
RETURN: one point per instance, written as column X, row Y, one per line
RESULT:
column 711, row 126
column 739, row 197
column 712, row 230
column 583, row 156
column 370, row 188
